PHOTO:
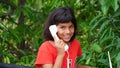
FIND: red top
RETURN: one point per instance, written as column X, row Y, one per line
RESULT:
column 47, row 54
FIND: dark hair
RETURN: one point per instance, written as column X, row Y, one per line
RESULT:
column 60, row 15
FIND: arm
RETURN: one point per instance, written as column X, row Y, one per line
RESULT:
column 58, row 62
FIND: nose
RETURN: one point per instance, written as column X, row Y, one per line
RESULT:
column 67, row 30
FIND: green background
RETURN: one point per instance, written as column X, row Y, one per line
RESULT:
column 22, row 21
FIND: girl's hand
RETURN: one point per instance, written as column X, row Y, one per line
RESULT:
column 60, row 47
column 59, row 44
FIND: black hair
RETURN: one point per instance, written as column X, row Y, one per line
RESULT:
column 60, row 15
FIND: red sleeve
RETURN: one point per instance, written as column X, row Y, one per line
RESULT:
column 79, row 51
column 43, row 56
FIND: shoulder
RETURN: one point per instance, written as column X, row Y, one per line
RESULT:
column 44, row 45
column 75, row 41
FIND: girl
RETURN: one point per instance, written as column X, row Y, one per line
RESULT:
column 51, row 53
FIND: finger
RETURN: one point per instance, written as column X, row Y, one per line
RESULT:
column 59, row 43
column 62, row 44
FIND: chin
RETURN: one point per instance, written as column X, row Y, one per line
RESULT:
column 66, row 41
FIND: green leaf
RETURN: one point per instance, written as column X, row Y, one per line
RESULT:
column 6, row 60
column 97, row 23
column 106, row 39
column 103, row 61
column 15, row 35
column 115, row 4
column 105, row 4
column 95, row 19
column 88, row 60
column 22, row 51
column 118, row 64
column 103, row 26
column 54, row 3
column 118, row 42
column 36, row 44
column 118, row 57
column 96, row 47
column 1, row 25
column 15, row 2
column 103, row 34
column 117, row 13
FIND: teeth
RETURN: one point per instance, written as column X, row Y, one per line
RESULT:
column 67, row 36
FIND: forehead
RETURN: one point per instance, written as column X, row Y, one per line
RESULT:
column 65, row 23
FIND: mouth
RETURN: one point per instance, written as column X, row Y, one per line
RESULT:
column 67, row 37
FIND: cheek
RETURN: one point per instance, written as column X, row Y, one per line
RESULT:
column 60, row 32
column 72, row 31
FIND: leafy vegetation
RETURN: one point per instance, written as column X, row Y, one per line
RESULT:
column 21, row 24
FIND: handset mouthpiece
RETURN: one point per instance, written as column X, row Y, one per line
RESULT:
column 66, row 47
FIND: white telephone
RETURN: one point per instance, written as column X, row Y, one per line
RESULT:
column 53, row 31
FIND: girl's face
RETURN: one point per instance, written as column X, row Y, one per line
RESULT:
column 65, row 31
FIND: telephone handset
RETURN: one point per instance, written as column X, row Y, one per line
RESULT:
column 53, row 31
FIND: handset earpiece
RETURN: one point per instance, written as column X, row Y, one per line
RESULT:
column 53, row 31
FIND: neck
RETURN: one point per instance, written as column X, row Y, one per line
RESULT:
column 52, row 42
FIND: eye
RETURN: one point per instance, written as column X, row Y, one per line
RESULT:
column 62, row 27
column 72, row 26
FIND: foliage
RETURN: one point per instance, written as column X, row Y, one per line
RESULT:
column 22, row 21
column 102, row 36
